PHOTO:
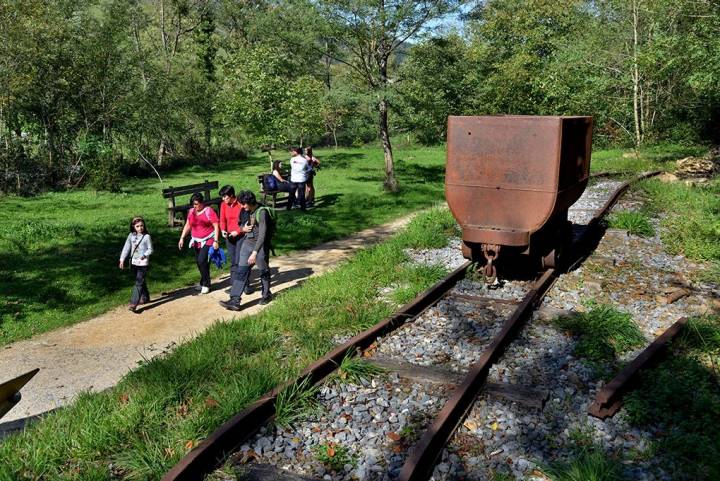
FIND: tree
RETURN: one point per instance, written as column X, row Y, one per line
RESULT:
column 443, row 66
column 365, row 35
column 263, row 99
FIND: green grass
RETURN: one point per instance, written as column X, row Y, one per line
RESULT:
column 590, row 465
column 333, row 456
column 354, row 369
column 660, row 157
column 692, row 222
column 295, row 403
column 680, row 400
column 155, row 414
column 637, row 223
column 603, row 333
column 59, row 251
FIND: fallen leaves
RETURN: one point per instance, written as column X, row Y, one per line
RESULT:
column 470, row 425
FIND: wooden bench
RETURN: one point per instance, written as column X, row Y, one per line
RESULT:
column 272, row 193
column 172, row 193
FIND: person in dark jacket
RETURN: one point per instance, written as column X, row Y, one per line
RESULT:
column 255, row 222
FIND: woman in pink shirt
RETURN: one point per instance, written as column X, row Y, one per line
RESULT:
column 203, row 225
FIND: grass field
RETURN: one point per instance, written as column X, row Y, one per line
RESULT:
column 59, row 251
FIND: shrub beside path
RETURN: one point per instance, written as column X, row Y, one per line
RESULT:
column 94, row 355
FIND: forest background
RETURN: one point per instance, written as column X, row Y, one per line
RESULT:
column 95, row 90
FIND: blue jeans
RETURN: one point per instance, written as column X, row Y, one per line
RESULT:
column 140, row 291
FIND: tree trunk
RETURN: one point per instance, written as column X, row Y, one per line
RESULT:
column 161, row 153
column 390, row 183
column 636, row 76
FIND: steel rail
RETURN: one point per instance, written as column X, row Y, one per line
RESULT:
column 207, row 455
column 423, row 456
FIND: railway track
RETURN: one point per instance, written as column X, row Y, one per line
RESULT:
column 404, row 419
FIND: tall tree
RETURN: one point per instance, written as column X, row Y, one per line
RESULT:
column 443, row 66
column 365, row 35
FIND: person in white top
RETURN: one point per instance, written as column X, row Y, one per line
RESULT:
column 298, row 177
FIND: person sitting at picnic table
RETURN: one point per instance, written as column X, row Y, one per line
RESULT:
column 282, row 184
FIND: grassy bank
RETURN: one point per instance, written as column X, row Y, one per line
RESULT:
column 59, row 251
column 140, row 428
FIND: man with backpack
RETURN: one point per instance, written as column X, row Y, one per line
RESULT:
column 258, row 224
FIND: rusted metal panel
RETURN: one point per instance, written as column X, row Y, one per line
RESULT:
column 609, row 399
column 507, row 176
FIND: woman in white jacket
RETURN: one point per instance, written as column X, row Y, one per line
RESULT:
column 139, row 247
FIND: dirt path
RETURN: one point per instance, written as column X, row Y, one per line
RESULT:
column 95, row 354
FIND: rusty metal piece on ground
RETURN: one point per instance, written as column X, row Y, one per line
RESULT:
column 609, row 399
column 211, row 451
column 511, row 179
column 676, row 295
column 10, row 391
column 422, row 458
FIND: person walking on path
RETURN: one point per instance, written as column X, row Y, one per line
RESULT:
column 313, row 165
column 230, row 210
column 203, row 225
column 257, row 223
column 138, row 246
column 298, row 177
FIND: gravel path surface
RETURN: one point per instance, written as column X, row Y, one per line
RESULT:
column 370, row 425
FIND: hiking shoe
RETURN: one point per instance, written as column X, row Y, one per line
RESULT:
column 205, row 290
column 231, row 305
column 132, row 307
column 265, row 300
column 249, row 289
